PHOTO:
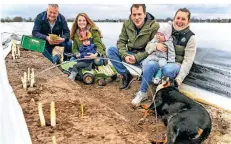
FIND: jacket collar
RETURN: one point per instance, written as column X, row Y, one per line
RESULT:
column 184, row 30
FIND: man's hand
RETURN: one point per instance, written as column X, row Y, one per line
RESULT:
column 130, row 59
column 50, row 41
column 161, row 47
column 58, row 41
column 55, row 42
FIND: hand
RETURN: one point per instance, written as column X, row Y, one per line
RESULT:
column 58, row 41
column 178, row 83
column 91, row 56
column 130, row 59
column 50, row 41
column 161, row 47
column 77, row 55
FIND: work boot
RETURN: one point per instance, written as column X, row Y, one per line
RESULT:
column 140, row 96
column 126, row 80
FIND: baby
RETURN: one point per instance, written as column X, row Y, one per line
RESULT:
column 162, row 36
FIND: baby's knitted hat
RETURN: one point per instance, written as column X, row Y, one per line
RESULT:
column 166, row 29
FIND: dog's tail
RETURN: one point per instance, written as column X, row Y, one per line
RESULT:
column 204, row 135
column 198, row 139
column 205, row 132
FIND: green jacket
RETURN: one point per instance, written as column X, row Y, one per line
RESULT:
column 100, row 47
column 130, row 41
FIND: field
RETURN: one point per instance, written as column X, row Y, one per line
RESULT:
column 107, row 117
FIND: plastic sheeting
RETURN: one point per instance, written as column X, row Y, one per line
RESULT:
column 210, row 96
column 211, row 71
column 13, row 128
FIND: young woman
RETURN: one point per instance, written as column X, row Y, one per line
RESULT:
column 185, row 47
column 84, row 23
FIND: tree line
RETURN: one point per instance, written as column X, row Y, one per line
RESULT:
column 193, row 19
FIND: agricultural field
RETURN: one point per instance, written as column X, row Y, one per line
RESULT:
column 89, row 113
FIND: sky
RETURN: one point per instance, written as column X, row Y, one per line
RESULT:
column 115, row 11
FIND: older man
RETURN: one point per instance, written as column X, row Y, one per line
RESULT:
column 135, row 34
column 52, row 22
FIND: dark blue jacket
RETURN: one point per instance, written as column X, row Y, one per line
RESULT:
column 42, row 27
column 84, row 50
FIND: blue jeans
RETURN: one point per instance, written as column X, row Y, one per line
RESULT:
column 48, row 50
column 55, row 59
column 171, row 70
column 149, row 68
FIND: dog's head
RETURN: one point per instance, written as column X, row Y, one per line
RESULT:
column 166, row 82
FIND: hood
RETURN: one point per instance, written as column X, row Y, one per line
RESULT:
column 149, row 17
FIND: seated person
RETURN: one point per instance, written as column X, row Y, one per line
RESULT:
column 163, row 36
column 49, row 22
column 85, row 50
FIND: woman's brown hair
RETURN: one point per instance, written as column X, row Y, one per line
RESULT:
column 89, row 23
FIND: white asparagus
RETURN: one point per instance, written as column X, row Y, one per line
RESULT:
column 24, row 81
column 18, row 50
column 52, row 114
column 54, row 140
column 13, row 49
column 32, row 80
column 82, row 110
column 28, row 75
column 41, row 116
column 12, row 52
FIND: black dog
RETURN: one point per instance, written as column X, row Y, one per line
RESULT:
column 187, row 121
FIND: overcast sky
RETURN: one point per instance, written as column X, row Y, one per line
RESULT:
column 100, row 11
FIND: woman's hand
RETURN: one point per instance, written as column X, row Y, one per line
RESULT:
column 91, row 56
column 178, row 83
column 161, row 47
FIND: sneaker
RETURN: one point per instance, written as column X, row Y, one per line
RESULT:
column 157, row 77
column 140, row 96
column 72, row 75
column 156, row 80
